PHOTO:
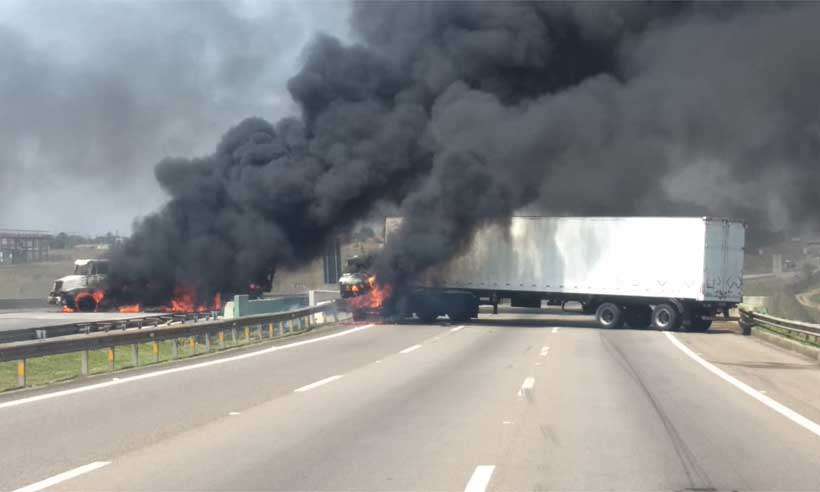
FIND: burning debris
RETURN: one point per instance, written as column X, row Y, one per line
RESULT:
column 459, row 114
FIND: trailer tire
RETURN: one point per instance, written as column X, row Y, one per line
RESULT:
column 638, row 316
column 699, row 324
column 609, row 315
column 427, row 317
column 666, row 317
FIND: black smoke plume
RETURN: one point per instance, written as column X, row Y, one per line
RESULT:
column 464, row 113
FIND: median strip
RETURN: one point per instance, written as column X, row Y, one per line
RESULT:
column 62, row 477
column 321, row 382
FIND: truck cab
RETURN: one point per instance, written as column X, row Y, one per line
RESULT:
column 88, row 276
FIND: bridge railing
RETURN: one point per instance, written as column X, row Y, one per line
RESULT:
column 797, row 330
column 209, row 334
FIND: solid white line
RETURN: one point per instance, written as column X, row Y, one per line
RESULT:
column 190, row 367
column 410, row 349
column 318, row 383
column 480, row 478
column 544, row 351
column 62, row 477
column 555, row 330
column 778, row 407
column 457, row 328
column 526, row 386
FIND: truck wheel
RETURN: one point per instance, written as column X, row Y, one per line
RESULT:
column 609, row 315
column 666, row 317
column 427, row 317
column 699, row 324
column 638, row 317
column 458, row 317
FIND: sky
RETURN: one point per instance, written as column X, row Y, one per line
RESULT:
column 94, row 94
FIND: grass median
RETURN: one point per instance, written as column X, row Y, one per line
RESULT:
column 55, row 368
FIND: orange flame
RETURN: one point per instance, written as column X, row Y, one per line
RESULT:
column 184, row 301
column 98, row 296
column 67, row 309
column 135, row 308
column 374, row 298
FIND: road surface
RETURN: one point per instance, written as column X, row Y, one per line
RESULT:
column 52, row 316
column 511, row 402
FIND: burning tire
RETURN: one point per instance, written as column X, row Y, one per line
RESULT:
column 85, row 303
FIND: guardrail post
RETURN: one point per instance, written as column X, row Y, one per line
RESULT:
column 155, row 350
column 247, row 333
column 174, row 348
column 207, row 342
column 135, row 355
column 221, row 339
column 233, row 335
column 84, row 363
column 259, row 331
column 193, row 344
column 270, row 329
column 21, row 373
column 111, row 356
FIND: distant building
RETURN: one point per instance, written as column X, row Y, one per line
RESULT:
column 20, row 246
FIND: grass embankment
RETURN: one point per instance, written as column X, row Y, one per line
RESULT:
column 781, row 293
column 55, row 368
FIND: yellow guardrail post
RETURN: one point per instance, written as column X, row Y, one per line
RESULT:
column 111, row 356
column 270, row 330
column 193, row 344
column 221, row 339
column 155, row 350
column 247, row 333
column 21, row 373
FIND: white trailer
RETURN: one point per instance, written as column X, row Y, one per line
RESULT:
column 659, row 271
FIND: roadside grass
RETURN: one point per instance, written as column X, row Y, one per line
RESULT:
column 57, row 368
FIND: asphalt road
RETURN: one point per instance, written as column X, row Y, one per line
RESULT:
column 511, row 402
column 14, row 319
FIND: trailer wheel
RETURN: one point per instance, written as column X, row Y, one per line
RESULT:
column 609, row 315
column 459, row 317
column 699, row 324
column 666, row 317
column 638, row 317
column 427, row 317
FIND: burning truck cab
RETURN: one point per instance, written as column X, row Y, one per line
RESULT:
column 82, row 290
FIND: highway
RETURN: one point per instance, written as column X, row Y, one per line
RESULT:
column 15, row 319
column 518, row 401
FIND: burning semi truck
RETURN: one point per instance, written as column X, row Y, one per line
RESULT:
column 665, row 272
column 85, row 291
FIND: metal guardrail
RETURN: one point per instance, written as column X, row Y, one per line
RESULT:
column 797, row 330
column 85, row 327
column 266, row 326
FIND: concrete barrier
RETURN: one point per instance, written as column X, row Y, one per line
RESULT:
column 243, row 306
column 38, row 302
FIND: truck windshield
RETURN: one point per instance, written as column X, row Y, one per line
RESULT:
column 83, row 269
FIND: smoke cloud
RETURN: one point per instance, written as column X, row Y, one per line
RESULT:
column 461, row 114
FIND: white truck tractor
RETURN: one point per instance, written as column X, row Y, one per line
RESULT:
column 81, row 290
